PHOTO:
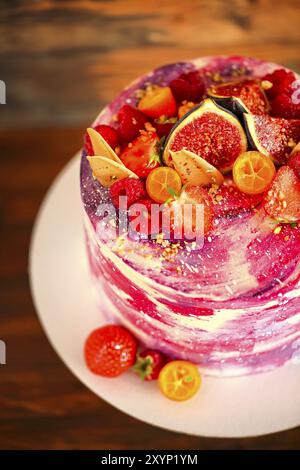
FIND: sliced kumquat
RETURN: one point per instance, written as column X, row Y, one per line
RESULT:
column 179, row 380
column 162, row 183
column 253, row 172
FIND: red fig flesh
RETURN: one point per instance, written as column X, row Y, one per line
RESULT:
column 274, row 137
column 246, row 96
column 211, row 132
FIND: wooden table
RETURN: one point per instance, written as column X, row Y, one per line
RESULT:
column 61, row 62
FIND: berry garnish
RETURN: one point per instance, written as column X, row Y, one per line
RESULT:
column 110, row 350
column 163, row 126
column 132, row 188
column 253, row 172
column 230, row 201
column 162, row 183
column 130, row 122
column 280, row 80
column 108, row 133
column 142, row 155
column 149, row 364
column 282, row 201
column 294, row 160
column 188, row 86
column 179, row 380
column 158, row 101
column 283, row 106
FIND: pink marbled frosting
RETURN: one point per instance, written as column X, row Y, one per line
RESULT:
column 233, row 307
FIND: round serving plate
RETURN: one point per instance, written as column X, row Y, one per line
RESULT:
column 64, row 298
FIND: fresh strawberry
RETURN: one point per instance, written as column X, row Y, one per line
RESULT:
column 282, row 201
column 157, row 102
column 142, row 155
column 281, row 81
column 283, row 106
column 230, row 201
column 108, row 133
column 149, row 364
column 183, row 213
column 130, row 122
column 188, row 86
column 294, row 160
column 132, row 188
column 110, row 350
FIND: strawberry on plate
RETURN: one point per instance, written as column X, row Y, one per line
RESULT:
column 142, row 155
column 110, row 350
column 108, row 133
column 149, row 364
column 158, row 101
column 282, row 201
column 230, row 201
column 130, row 122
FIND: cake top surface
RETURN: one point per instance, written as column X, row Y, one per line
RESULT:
column 220, row 132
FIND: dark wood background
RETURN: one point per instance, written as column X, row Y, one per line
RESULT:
column 62, row 61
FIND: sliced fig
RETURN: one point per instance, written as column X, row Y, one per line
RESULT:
column 107, row 171
column 194, row 170
column 274, row 137
column 246, row 96
column 211, row 132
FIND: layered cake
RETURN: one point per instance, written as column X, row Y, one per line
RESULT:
column 220, row 133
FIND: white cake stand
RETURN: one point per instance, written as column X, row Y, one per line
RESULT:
column 225, row 407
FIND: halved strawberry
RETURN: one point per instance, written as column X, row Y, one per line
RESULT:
column 230, row 201
column 142, row 155
column 108, row 133
column 130, row 122
column 294, row 160
column 158, row 101
column 282, row 201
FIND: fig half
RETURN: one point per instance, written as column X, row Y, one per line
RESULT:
column 274, row 137
column 209, row 131
column 246, row 96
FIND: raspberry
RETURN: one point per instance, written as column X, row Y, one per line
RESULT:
column 282, row 80
column 188, row 86
column 282, row 106
column 132, row 188
column 108, row 133
column 131, row 121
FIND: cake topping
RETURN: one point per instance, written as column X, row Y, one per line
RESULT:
column 241, row 96
column 107, row 171
column 101, row 147
column 162, row 184
column 194, row 170
column 130, row 121
column 142, row 155
column 273, row 137
column 108, row 133
column 210, row 132
column 157, row 102
column 253, row 172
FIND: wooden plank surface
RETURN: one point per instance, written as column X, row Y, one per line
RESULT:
column 62, row 61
